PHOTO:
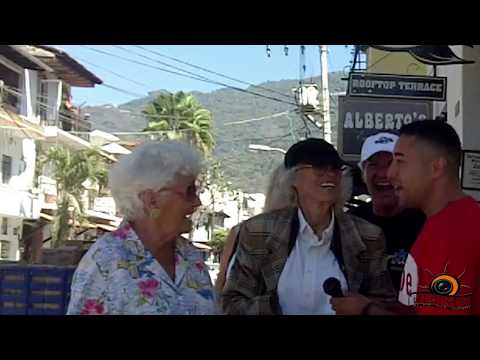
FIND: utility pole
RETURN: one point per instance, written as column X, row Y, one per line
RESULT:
column 327, row 127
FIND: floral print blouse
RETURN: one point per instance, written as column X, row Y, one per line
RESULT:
column 119, row 276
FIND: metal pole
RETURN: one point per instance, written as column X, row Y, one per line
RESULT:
column 327, row 127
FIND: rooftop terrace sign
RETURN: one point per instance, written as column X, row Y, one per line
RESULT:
column 398, row 86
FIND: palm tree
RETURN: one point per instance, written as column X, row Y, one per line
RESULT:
column 181, row 116
column 70, row 170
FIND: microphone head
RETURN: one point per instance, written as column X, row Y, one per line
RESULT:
column 332, row 287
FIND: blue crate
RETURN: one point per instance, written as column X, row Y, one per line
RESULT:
column 34, row 289
column 46, row 308
column 13, row 310
column 48, row 279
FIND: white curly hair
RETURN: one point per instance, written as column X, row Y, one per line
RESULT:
column 151, row 165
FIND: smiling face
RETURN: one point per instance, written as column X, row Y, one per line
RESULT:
column 318, row 184
column 411, row 172
column 378, row 184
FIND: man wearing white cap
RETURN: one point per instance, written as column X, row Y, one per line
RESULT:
column 400, row 226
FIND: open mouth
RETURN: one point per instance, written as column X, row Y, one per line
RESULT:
column 384, row 186
column 328, row 186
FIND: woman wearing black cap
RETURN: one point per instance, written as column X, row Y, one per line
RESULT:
column 285, row 256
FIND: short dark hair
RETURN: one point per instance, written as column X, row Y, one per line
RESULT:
column 439, row 134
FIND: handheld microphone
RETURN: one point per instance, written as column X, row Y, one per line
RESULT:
column 332, row 287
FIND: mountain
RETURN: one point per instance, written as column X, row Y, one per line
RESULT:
column 245, row 169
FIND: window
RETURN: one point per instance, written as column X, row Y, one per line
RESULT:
column 4, row 226
column 219, row 220
column 362, row 61
column 4, row 249
column 359, row 61
column 42, row 99
column 6, row 168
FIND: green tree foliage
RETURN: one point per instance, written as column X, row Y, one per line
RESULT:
column 181, row 116
column 70, row 170
column 218, row 241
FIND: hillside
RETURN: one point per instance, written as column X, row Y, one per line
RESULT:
column 246, row 169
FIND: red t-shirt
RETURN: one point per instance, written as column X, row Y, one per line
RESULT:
column 442, row 272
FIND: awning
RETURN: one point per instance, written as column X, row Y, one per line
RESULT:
column 64, row 65
column 103, row 216
column 13, row 121
column 114, row 148
column 104, row 135
column 54, row 134
column 88, row 226
column 23, row 59
column 106, row 227
column 428, row 54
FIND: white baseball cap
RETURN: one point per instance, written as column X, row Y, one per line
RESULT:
column 376, row 143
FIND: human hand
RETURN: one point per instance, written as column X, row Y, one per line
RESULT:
column 350, row 304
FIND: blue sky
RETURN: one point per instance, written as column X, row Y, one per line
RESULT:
column 245, row 62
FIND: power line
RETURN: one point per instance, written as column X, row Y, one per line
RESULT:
column 132, row 113
column 122, row 91
column 161, row 62
column 21, row 95
column 60, row 115
column 66, row 116
column 187, row 76
column 256, row 119
column 268, row 138
column 212, row 72
column 200, row 77
column 113, row 72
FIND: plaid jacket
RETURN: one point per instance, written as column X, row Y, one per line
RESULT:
column 265, row 242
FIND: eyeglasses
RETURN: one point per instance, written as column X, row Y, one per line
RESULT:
column 190, row 193
column 321, row 171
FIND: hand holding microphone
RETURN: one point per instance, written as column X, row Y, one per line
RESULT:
column 332, row 287
column 344, row 305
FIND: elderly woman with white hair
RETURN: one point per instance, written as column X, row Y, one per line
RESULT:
column 145, row 266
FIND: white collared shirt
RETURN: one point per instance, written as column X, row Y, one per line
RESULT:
column 311, row 262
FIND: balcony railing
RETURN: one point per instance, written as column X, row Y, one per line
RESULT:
column 70, row 121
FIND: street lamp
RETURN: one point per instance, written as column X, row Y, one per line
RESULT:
column 265, row 148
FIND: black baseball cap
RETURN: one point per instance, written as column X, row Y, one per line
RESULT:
column 313, row 151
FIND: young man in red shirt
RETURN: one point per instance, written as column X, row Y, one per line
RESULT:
column 442, row 272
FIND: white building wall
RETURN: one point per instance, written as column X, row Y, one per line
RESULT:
column 11, row 239
column 454, row 92
column 200, row 234
column 17, row 201
column 33, row 87
column 471, row 99
column 29, row 87
column 463, row 98
column 23, row 153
